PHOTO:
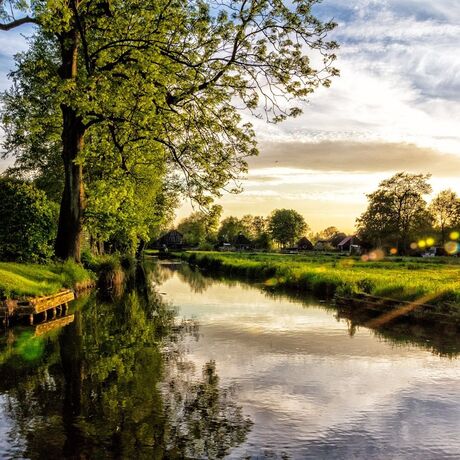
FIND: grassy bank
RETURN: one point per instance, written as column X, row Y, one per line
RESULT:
column 31, row 280
column 404, row 279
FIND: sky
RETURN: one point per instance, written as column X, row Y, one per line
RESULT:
column 395, row 107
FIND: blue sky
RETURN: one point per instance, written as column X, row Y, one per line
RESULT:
column 395, row 106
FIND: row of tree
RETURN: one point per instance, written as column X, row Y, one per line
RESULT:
column 397, row 216
column 284, row 227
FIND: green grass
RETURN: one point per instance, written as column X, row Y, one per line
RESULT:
column 404, row 279
column 30, row 280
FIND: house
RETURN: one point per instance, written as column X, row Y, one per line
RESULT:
column 350, row 244
column 171, row 240
column 242, row 243
column 323, row 245
column 304, row 244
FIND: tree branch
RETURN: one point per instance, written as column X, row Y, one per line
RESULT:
column 18, row 22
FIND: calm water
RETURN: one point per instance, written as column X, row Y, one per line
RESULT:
column 190, row 367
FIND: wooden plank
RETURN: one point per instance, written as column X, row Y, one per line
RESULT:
column 42, row 304
column 44, row 328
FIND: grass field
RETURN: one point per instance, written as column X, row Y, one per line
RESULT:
column 29, row 280
column 437, row 279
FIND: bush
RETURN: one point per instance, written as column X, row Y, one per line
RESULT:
column 28, row 222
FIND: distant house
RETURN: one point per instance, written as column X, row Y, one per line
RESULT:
column 337, row 239
column 242, row 242
column 350, row 244
column 323, row 245
column 171, row 240
column 304, row 244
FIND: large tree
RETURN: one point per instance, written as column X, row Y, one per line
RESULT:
column 445, row 211
column 139, row 77
column 286, row 226
column 396, row 211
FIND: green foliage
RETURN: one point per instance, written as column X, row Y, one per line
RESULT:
column 286, row 226
column 397, row 211
column 28, row 222
column 445, row 212
column 200, row 227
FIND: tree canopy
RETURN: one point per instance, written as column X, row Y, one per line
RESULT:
column 125, row 86
column 286, row 226
column 396, row 211
column 445, row 211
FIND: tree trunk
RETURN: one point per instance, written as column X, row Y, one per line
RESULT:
column 68, row 240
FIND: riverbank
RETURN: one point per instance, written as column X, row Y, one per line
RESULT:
column 19, row 281
column 431, row 285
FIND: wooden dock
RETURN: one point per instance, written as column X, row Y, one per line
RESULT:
column 52, row 305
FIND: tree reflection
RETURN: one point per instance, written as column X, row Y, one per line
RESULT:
column 103, row 388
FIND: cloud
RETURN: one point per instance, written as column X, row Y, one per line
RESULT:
column 349, row 156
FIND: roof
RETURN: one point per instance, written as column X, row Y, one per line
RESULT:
column 304, row 242
column 172, row 237
column 350, row 240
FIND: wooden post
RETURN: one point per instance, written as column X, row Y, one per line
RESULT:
column 31, row 319
column 54, row 312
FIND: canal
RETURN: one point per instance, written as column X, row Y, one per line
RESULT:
column 190, row 366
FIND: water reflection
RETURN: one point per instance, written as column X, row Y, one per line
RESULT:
column 105, row 386
column 315, row 383
column 441, row 338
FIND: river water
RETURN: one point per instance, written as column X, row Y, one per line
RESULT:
column 187, row 366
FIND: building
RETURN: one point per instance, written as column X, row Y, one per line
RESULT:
column 350, row 244
column 304, row 244
column 171, row 240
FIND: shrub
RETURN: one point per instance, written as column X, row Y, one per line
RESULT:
column 28, row 222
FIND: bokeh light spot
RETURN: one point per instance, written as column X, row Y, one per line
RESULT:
column 455, row 235
column 422, row 244
column 452, row 248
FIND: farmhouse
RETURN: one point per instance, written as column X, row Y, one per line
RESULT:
column 171, row 240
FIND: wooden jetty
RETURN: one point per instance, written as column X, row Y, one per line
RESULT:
column 53, row 305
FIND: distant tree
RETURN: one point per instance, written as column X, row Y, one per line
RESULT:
column 230, row 228
column 28, row 222
column 286, row 226
column 201, row 227
column 396, row 211
column 445, row 211
column 329, row 233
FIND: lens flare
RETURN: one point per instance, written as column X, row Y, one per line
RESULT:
column 378, row 254
column 430, row 242
column 452, row 248
column 455, row 235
